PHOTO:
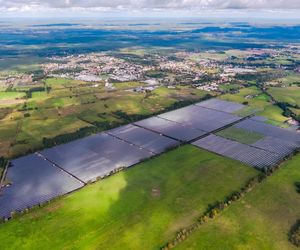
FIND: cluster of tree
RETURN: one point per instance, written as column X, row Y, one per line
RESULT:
column 3, row 162
column 260, row 77
column 184, row 103
column 107, row 125
column 155, row 74
column 26, row 108
column 294, row 234
column 213, row 211
column 37, row 89
column 297, row 184
column 128, row 117
column 64, row 138
column 38, row 75
column 287, row 111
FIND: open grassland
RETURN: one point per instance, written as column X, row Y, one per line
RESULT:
column 140, row 208
column 11, row 95
column 260, row 220
column 59, row 83
column 128, row 85
column 289, row 95
column 217, row 56
column 240, row 135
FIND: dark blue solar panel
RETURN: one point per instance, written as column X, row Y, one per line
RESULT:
column 250, row 155
column 144, row 138
column 175, row 130
column 201, row 118
column 33, row 181
column 221, row 105
column 270, row 130
column 95, row 156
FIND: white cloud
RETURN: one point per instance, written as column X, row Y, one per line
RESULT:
column 148, row 4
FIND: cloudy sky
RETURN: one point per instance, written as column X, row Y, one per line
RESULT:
column 285, row 8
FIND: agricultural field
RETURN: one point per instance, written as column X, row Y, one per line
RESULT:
column 290, row 79
column 289, row 95
column 260, row 103
column 60, row 106
column 128, row 85
column 141, row 208
column 260, row 220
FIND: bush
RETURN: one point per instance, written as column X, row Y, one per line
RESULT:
column 3, row 163
column 294, row 235
column 64, row 138
column 297, row 184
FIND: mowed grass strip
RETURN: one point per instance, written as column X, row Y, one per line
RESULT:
column 240, row 135
column 140, row 208
column 261, row 220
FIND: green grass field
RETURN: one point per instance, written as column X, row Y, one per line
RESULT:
column 11, row 95
column 260, row 220
column 289, row 94
column 127, row 85
column 240, row 135
column 140, row 208
column 259, row 102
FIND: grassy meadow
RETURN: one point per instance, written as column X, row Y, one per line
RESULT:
column 260, row 220
column 289, row 95
column 140, row 208
column 240, row 135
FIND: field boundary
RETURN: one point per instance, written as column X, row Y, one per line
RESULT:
column 219, row 206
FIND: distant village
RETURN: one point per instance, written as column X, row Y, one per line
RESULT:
column 185, row 68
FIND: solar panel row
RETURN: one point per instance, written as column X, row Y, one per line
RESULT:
column 95, row 156
column 33, row 181
column 270, row 130
column 280, row 147
column 143, row 138
column 221, row 105
column 59, row 170
column 201, row 118
column 171, row 129
column 252, row 156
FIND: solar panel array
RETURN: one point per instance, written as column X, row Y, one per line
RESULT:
column 250, row 155
column 56, row 171
column 172, row 129
column 221, row 105
column 200, row 118
column 141, row 137
column 33, row 181
column 280, row 147
column 270, row 130
column 95, row 156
